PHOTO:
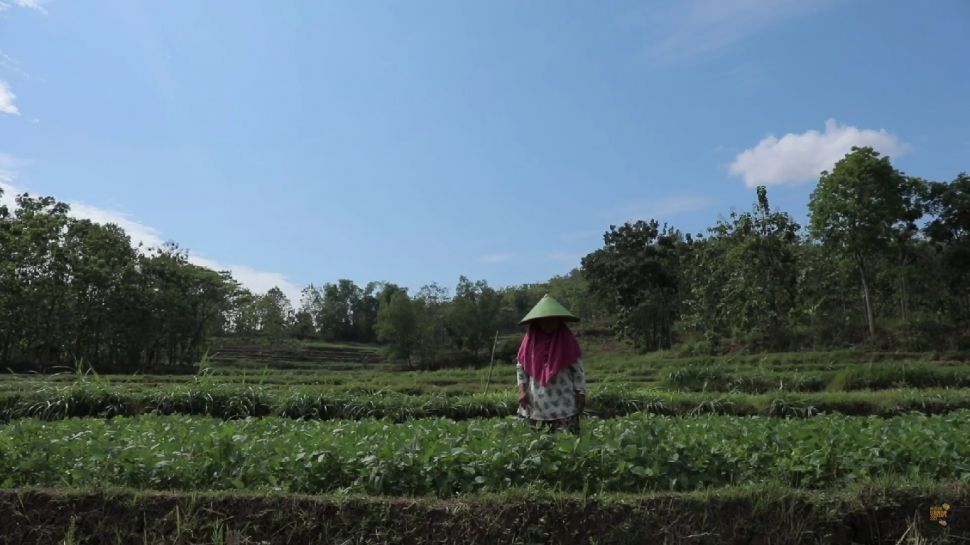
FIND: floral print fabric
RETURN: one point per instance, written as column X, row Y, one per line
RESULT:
column 557, row 399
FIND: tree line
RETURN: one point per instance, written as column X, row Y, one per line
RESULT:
column 74, row 291
column 883, row 262
column 430, row 327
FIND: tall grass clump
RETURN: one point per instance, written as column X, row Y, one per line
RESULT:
column 899, row 375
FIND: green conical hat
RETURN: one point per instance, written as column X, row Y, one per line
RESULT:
column 548, row 307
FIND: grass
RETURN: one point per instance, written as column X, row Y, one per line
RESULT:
column 870, row 513
column 895, row 375
column 751, row 374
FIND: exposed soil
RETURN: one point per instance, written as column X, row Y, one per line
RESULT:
column 42, row 517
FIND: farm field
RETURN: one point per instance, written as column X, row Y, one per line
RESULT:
column 266, row 273
column 831, row 447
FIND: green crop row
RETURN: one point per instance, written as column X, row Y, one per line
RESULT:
column 237, row 401
column 442, row 457
column 752, row 374
column 690, row 378
column 321, row 403
column 880, row 376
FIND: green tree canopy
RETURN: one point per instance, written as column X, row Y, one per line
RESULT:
column 743, row 278
column 638, row 274
column 859, row 209
column 397, row 325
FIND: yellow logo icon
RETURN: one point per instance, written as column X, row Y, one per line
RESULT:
column 938, row 513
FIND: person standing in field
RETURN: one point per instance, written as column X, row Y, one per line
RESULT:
column 551, row 377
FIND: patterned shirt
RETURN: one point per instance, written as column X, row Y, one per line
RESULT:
column 554, row 400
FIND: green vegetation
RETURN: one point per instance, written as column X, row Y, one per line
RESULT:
column 713, row 428
column 758, row 282
column 443, row 457
column 805, row 384
column 72, row 291
column 377, row 391
column 241, row 401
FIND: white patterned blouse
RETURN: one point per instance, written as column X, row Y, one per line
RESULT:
column 555, row 400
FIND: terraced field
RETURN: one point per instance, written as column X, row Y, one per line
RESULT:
column 780, row 448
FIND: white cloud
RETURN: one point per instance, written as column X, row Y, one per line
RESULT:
column 139, row 232
column 9, row 166
column 694, row 27
column 11, row 64
column 37, row 5
column 255, row 280
column 495, row 258
column 6, row 100
column 7, row 199
column 802, row 157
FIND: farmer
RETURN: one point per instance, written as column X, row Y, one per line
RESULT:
column 551, row 378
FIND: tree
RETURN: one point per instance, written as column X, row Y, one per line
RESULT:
column 302, row 327
column 858, row 210
column 242, row 318
column 181, row 305
column 37, row 316
column 397, row 325
column 517, row 301
column 430, row 303
column 276, row 313
column 9, row 285
column 638, row 275
column 572, row 290
column 73, row 290
column 335, row 317
column 101, row 261
column 743, row 278
column 365, row 311
column 949, row 231
column 473, row 315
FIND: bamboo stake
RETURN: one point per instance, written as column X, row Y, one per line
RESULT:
column 491, row 364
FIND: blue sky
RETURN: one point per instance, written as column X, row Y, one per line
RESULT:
column 298, row 142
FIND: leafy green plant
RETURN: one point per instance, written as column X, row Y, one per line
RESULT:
column 443, row 457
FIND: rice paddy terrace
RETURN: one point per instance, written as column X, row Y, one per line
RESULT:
column 327, row 444
column 289, row 354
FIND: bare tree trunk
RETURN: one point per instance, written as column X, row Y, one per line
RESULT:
column 903, row 287
column 97, row 340
column 866, row 297
column 904, row 298
column 967, row 301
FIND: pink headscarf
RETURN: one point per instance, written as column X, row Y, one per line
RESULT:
column 543, row 354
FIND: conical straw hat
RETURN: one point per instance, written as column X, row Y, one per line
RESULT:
column 548, row 307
